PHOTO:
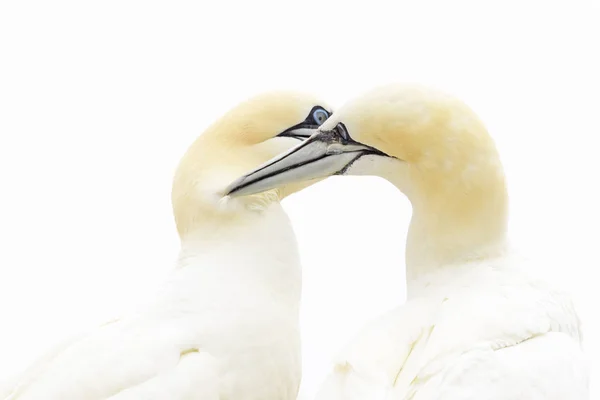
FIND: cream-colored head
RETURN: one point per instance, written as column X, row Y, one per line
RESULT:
column 431, row 146
column 242, row 139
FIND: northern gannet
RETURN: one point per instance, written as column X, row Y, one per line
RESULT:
column 475, row 325
column 226, row 324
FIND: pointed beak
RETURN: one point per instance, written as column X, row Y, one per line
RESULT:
column 301, row 133
column 324, row 154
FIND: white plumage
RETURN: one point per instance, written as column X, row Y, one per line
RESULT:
column 225, row 325
column 218, row 326
column 483, row 330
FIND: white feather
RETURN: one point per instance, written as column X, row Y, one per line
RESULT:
column 483, row 330
column 224, row 326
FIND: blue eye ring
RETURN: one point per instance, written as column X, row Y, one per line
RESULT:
column 320, row 116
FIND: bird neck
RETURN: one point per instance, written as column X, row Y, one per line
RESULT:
column 250, row 256
column 456, row 220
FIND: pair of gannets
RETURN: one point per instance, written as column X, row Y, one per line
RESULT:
column 475, row 325
column 226, row 324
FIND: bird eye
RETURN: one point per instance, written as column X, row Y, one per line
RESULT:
column 320, row 116
column 342, row 131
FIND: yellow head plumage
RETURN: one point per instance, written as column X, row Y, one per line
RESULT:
column 430, row 145
column 243, row 138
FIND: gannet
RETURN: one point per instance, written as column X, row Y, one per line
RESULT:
column 226, row 324
column 476, row 324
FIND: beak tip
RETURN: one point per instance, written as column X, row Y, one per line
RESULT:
column 232, row 189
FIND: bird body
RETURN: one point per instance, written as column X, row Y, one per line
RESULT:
column 225, row 325
column 477, row 324
column 484, row 329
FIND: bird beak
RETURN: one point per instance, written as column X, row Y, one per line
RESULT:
column 300, row 133
column 324, row 154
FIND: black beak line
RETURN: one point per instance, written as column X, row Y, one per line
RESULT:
column 297, row 134
column 274, row 161
column 331, row 153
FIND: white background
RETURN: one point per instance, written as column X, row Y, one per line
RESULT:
column 98, row 100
